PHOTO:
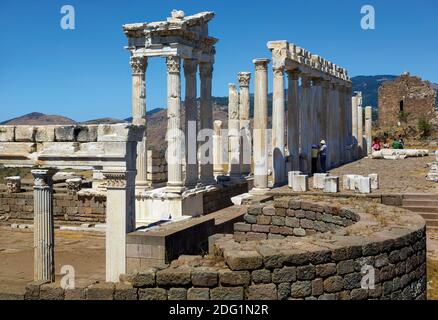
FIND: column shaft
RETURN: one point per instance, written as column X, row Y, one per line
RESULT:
column 218, row 149
column 368, row 128
column 174, row 133
column 293, row 121
column 139, row 66
column 191, row 124
column 360, row 130
column 354, row 108
column 278, row 130
column 305, row 132
column 206, row 114
column 260, row 125
column 233, row 131
column 244, row 106
column 44, row 242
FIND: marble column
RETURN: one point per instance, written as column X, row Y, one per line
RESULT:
column 244, row 106
column 305, row 119
column 342, row 125
column 278, row 129
column 191, row 124
column 120, row 219
column 360, row 130
column 233, row 131
column 206, row 114
column 368, row 129
column 174, row 133
column 139, row 66
column 44, row 238
column 325, row 124
column 354, row 109
column 260, row 126
column 218, row 149
column 293, row 120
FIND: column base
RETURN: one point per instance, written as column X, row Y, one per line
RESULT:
column 175, row 189
column 259, row 191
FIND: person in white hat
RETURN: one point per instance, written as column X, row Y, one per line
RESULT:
column 323, row 156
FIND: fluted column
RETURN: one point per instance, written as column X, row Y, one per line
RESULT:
column 368, row 128
column 233, row 131
column 305, row 132
column 260, row 125
column 191, row 123
column 244, row 106
column 293, row 120
column 324, row 109
column 360, row 129
column 218, row 149
column 342, row 125
column 206, row 114
column 354, row 108
column 139, row 66
column 174, row 133
column 44, row 241
column 278, row 130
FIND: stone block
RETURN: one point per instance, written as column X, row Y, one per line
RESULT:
column 152, row 294
column 333, row 284
column 318, row 180
column 301, row 289
column 7, row 133
column 317, row 287
column 226, row 293
column 45, row 134
column 177, row 294
column 261, row 276
column 243, row 260
column 24, row 133
column 285, row 274
column 86, row 133
column 119, row 132
column 331, row 185
column 291, row 174
column 375, row 182
column 101, row 291
column 75, row 294
column 242, row 227
column 300, row 183
column 204, row 277
column 364, row 185
column 198, row 294
column 51, row 291
column 262, row 292
column 65, row 133
column 306, row 272
column 125, row 291
column 146, row 278
column 234, row 278
column 174, row 277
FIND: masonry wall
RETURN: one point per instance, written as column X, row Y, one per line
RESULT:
column 326, row 268
column 419, row 100
column 67, row 208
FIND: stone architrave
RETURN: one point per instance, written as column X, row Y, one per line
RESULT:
column 278, row 129
column 44, row 238
column 260, row 146
column 174, row 133
column 244, row 79
column 13, row 184
column 234, row 131
column 139, row 66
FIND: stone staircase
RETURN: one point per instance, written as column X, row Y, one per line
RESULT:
column 425, row 205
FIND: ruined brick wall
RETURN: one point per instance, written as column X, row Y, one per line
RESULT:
column 408, row 94
column 326, row 267
column 67, row 208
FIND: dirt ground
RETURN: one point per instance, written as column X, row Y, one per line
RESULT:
column 407, row 176
column 83, row 251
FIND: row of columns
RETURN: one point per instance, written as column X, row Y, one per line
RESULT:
column 176, row 181
column 361, row 127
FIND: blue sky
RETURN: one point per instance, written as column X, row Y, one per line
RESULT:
column 84, row 73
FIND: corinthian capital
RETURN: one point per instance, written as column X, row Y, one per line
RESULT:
column 190, row 66
column 173, row 64
column 261, row 64
column 42, row 178
column 244, row 79
column 278, row 71
column 138, row 64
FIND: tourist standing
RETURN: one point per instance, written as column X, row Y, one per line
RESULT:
column 323, row 156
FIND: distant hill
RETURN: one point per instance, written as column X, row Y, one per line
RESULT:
column 369, row 85
column 36, row 118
